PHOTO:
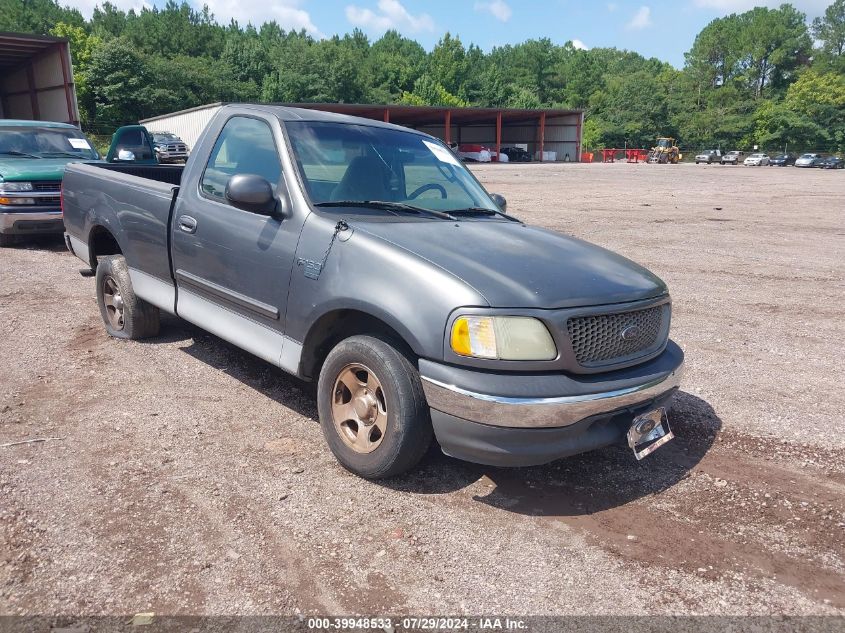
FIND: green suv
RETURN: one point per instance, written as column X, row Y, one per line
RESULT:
column 33, row 157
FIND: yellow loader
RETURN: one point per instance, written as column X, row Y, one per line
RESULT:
column 665, row 152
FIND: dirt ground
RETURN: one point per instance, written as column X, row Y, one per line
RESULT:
column 191, row 478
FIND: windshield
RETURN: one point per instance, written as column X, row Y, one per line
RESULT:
column 45, row 142
column 345, row 162
column 165, row 138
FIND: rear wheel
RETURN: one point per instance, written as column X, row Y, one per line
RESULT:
column 124, row 314
column 372, row 408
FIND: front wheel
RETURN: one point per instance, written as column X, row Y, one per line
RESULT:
column 372, row 408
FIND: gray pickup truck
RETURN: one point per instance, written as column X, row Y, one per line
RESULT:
column 366, row 257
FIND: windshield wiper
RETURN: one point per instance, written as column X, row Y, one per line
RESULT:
column 17, row 153
column 62, row 154
column 482, row 211
column 386, row 206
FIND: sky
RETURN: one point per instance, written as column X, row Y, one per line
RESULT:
column 655, row 28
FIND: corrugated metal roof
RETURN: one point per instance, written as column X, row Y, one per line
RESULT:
column 405, row 114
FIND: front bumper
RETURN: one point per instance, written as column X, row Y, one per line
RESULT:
column 19, row 222
column 172, row 157
column 526, row 425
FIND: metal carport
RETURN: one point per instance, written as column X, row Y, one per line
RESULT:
column 36, row 79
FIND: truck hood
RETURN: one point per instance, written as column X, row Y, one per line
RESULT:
column 517, row 266
column 33, row 168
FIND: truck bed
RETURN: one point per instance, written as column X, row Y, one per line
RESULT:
column 132, row 202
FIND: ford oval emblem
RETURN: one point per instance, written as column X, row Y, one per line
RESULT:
column 631, row 333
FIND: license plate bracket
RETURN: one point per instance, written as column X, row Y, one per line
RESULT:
column 649, row 432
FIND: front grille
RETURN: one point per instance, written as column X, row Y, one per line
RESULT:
column 176, row 148
column 47, row 185
column 598, row 339
column 52, row 201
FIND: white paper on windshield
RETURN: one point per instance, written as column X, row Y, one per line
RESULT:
column 442, row 154
column 79, row 143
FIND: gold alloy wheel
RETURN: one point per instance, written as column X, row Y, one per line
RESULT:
column 359, row 408
column 113, row 302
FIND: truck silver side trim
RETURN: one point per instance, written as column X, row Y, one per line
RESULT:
column 540, row 412
column 264, row 309
column 245, row 333
column 153, row 290
column 291, row 354
column 79, row 248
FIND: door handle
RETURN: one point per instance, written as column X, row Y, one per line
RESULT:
column 187, row 224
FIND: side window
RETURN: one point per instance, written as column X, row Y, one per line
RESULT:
column 245, row 146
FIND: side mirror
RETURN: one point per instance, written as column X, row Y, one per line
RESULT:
column 125, row 155
column 251, row 193
column 500, row 201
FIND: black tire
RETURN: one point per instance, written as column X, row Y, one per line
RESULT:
column 139, row 318
column 408, row 431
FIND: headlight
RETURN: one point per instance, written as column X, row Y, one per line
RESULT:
column 4, row 200
column 15, row 186
column 504, row 338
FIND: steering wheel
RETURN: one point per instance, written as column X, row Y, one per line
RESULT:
column 428, row 187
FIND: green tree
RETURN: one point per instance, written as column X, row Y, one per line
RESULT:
column 82, row 48
column 774, row 43
column 830, row 29
column 447, row 63
column 119, row 80
column 394, row 64
column 428, row 91
column 36, row 16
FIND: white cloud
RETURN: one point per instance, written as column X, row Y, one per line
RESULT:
column 287, row 13
column 641, row 19
column 580, row 45
column 810, row 7
column 391, row 15
column 498, row 8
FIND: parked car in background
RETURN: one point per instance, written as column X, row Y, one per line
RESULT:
column 756, row 160
column 500, row 157
column 808, row 160
column 782, row 160
column 366, row 257
column 473, row 152
column 709, row 157
column 517, row 154
column 169, row 148
column 733, row 158
column 33, row 157
column 832, row 162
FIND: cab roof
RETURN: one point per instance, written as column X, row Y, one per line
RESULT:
column 291, row 113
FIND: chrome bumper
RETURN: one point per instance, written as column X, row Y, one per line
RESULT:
column 540, row 412
column 8, row 218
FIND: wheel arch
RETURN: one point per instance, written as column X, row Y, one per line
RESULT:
column 335, row 325
column 102, row 242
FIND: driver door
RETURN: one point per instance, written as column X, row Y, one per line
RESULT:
column 233, row 266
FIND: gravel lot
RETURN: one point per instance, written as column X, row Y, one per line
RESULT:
column 191, row 478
